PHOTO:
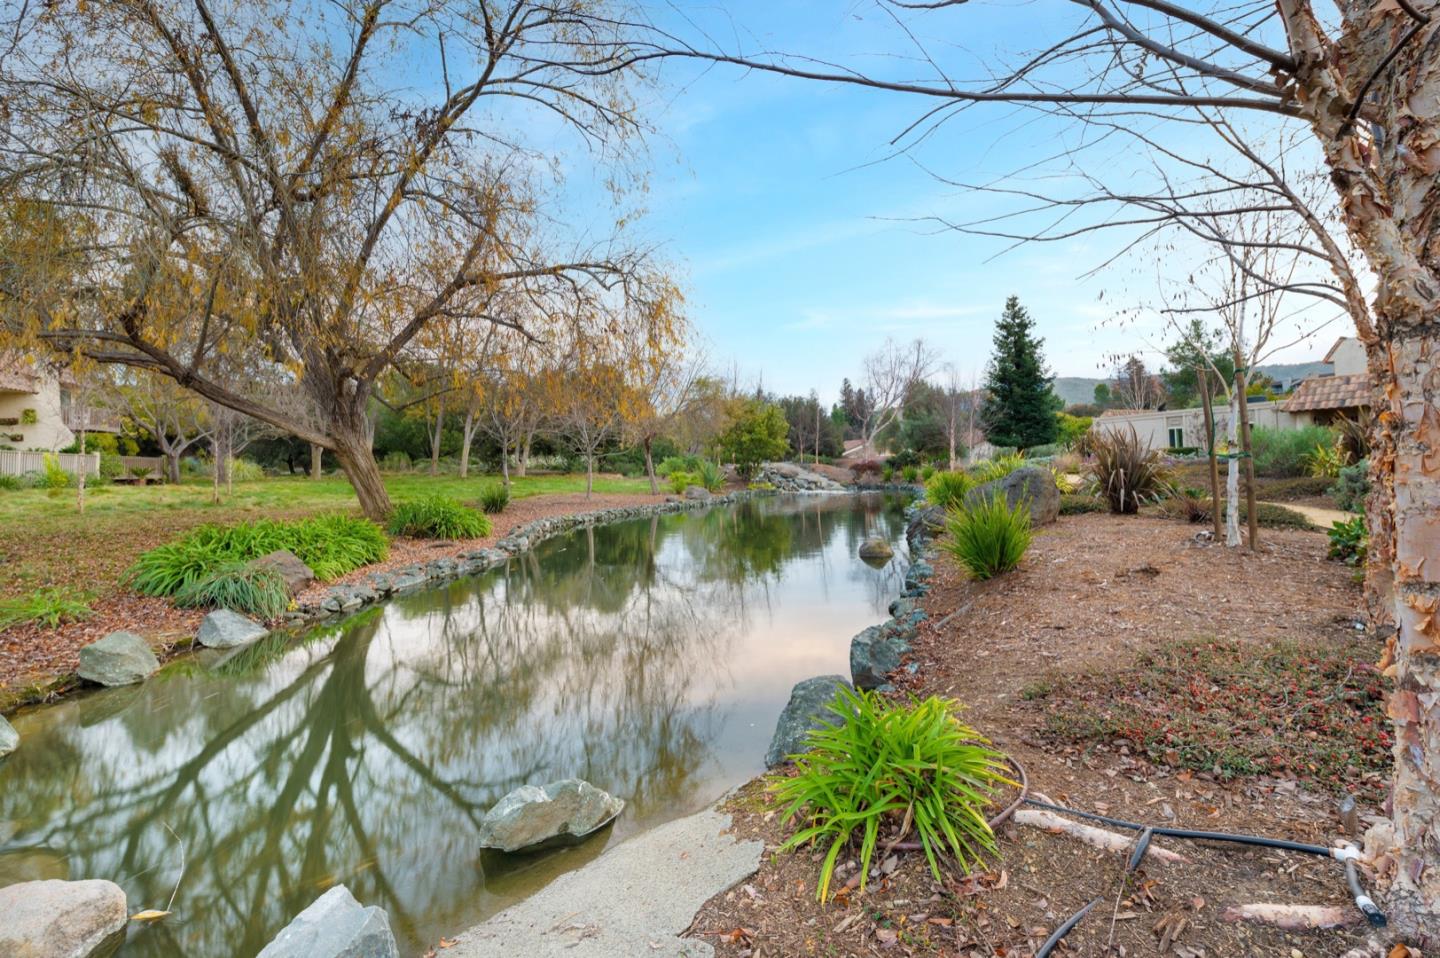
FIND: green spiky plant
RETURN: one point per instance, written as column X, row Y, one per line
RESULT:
column 438, row 517
column 50, row 607
column 988, row 537
column 909, row 766
column 259, row 592
column 947, row 489
column 494, row 498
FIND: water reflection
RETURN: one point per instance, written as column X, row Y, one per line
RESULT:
column 650, row 657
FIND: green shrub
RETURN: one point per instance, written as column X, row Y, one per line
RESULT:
column 887, row 472
column 48, row 607
column 709, row 475
column 1287, row 452
column 1126, row 472
column 762, row 486
column 56, row 477
column 893, row 765
column 910, row 473
column 680, row 480
column 11, row 483
column 438, row 517
column 988, row 470
column 926, row 472
column 671, row 464
column 1325, row 462
column 1072, row 504
column 111, row 466
column 494, row 498
column 330, row 545
column 988, row 537
column 1044, row 452
column 1349, row 540
column 1298, row 487
column 1352, row 487
column 947, row 489
column 260, row 592
column 243, row 470
column 1070, row 430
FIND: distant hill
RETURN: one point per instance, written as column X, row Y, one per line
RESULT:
column 1076, row 389
column 1081, row 389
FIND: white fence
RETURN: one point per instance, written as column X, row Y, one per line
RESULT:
column 16, row 463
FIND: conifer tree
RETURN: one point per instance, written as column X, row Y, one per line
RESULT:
column 1019, row 405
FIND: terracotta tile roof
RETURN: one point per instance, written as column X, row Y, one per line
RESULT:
column 1330, row 392
column 17, row 376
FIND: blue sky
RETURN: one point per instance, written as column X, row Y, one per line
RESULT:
column 795, row 236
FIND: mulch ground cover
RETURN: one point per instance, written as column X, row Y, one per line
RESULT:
column 1114, row 633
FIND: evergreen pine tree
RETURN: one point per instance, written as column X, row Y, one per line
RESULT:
column 1019, row 407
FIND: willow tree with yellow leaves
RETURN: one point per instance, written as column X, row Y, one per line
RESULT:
column 275, row 178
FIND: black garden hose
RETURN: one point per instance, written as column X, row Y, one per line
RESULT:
column 1064, row 929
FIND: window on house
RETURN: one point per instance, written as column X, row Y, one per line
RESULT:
column 1177, row 437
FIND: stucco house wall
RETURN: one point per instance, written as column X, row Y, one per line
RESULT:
column 22, row 390
column 1160, row 428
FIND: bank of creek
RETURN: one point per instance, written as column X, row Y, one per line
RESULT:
column 650, row 657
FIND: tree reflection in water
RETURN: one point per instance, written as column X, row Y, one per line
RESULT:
column 650, row 657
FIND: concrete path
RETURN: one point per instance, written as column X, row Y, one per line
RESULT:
column 1322, row 518
column 631, row 902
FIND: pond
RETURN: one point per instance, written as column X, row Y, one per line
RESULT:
column 650, row 657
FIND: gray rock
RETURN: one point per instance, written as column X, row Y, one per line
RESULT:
column 697, row 492
column 9, row 738
column 226, row 629
column 335, row 926
column 1034, row 486
column 924, row 522
column 874, row 654
column 902, row 607
column 533, row 816
column 875, row 548
column 806, row 710
column 121, row 658
column 790, row 477
column 60, row 919
column 297, row 574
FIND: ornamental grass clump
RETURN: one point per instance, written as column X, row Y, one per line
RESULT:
column 494, row 498
column 438, row 517
column 893, row 768
column 947, row 489
column 330, row 545
column 255, row 591
column 1127, row 472
column 988, row 537
column 50, row 608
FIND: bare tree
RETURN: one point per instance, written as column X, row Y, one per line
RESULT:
column 265, row 175
column 1134, row 386
column 174, row 418
column 889, row 374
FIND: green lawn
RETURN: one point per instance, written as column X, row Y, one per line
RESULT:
column 45, row 542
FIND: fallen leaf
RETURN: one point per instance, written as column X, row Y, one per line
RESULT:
column 149, row 914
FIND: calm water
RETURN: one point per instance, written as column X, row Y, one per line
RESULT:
column 650, row 657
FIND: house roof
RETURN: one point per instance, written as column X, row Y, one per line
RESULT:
column 1330, row 392
column 17, row 376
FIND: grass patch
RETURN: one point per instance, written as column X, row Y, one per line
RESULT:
column 1236, row 709
column 438, row 517
column 895, row 766
column 48, row 607
column 1073, row 504
column 330, row 545
column 947, row 489
column 494, row 498
column 988, row 538
column 259, row 592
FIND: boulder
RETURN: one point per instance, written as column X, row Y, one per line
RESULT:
column 297, row 574
column 874, row 654
column 335, row 925
column 226, row 629
column 121, row 658
column 532, row 816
column 806, row 710
column 875, row 548
column 697, row 492
column 1034, row 486
column 60, row 919
column 9, row 738
column 928, row 521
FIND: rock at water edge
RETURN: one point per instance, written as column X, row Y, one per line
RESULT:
column 532, row 815
column 224, row 629
column 120, row 658
column 697, row 492
column 807, row 709
column 9, row 738
column 875, row 548
column 335, row 926
column 59, row 919
column 874, row 654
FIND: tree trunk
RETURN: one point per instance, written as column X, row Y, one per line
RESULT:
column 436, row 437
column 589, row 474
column 1232, row 476
column 80, row 472
column 1412, row 654
column 172, row 466
column 467, row 436
column 357, row 459
column 317, row 459
column 523, row 464
column 650, row 468
column 1210, row 451
column 1245, row 450
column 505, row 462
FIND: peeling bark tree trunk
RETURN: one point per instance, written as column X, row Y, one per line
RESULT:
column 650, row 467
column 1204, row 377
column 1232, row 476
column 317, row 458
column 1241, row 385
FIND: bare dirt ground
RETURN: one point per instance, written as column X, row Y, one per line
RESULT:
column 34, row 659
column 1094, row 592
